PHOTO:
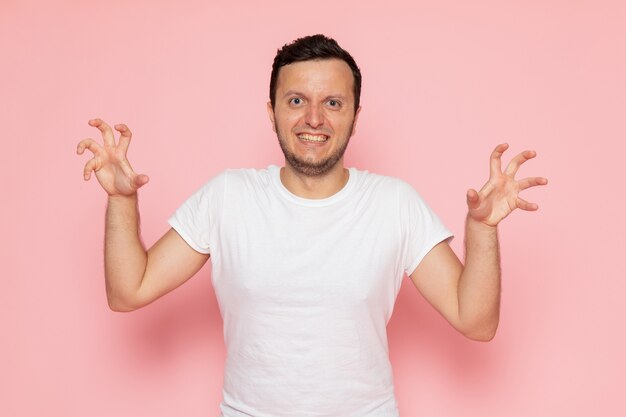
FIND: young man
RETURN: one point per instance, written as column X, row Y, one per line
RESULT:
column 308, row 258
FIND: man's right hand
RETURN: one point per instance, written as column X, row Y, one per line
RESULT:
column 109, row 162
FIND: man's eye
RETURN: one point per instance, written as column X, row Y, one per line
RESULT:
column 296, row 100
column 334, row 103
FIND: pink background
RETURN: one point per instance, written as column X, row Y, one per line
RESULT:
column 444, row 81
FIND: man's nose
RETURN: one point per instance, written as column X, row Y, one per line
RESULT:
column 314, row 116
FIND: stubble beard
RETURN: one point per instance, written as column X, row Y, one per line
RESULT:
column 313, row 168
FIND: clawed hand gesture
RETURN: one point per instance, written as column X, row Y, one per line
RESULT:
column 109, row 162
column 500, row 195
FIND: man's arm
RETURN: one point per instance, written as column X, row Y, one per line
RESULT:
column 134, row 277
column 468, row 296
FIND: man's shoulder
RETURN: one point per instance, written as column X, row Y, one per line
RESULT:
column 240, row 179
column 382, row 182
column 241, row 176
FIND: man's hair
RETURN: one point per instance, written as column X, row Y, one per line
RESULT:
column 311, row 48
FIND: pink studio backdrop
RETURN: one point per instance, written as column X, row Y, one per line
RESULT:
column 444, row 81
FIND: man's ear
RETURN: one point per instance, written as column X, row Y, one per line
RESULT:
column 270, row 113
column 356, row 118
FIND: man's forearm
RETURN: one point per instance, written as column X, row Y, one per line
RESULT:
column 124, row 254
column 479, row 286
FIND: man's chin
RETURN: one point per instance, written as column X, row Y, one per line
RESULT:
column 312, row 167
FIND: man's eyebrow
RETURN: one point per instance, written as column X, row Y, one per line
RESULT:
column 328, row 97
column 292, row 92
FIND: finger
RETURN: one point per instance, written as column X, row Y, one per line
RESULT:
column 125, row 136
column 141, row 180
column 473, row 200
column 531, row 182
column 90, row 144
column 516, row 162
column 107, row 133
column 91, row 165
column 496, row 159
column 525, row 205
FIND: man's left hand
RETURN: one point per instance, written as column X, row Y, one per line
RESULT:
column 500, row 195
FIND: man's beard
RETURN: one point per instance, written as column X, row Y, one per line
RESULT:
column 313, row 168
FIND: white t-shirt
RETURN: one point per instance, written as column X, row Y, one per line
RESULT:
column 306, row 288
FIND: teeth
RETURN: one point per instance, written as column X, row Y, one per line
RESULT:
column 313, row 138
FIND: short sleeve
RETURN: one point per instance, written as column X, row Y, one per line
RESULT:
column 421, row 227
column 196, row 218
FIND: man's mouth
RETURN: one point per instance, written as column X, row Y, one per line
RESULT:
column 312, row 138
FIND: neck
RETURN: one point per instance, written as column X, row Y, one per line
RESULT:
column 317, row 187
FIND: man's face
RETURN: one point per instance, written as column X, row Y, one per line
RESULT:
column 314, row 114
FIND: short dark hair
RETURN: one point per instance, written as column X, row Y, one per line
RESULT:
column 310, row 48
